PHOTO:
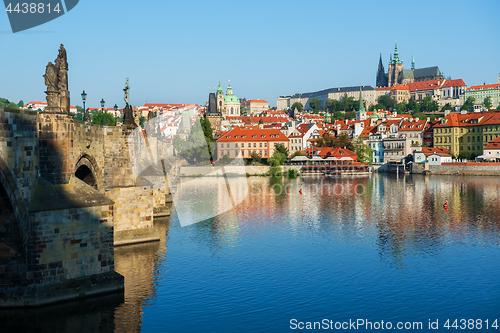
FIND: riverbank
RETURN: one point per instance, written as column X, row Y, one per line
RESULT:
column 465, row 169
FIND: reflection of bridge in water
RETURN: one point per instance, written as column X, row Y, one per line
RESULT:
column 113, row 313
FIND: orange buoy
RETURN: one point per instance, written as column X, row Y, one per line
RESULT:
column 300, row 191
column 445, row 204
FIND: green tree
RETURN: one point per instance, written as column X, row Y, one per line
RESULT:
column 194, row 149
column 413, row 106
column 277, row 159
column 428, row 105
column 79, row 116
column 350, row 115
column 20, row 104
column 348, row 103
column 386, row 102
column 225, row 160
column 108, row 119
column 315, row 104
column 282, row 149
column 12, row 105
column 447, row 106
column 255, row 158
column 468, row 104
column 298, row 106
column 341, row 141
column 338, row 115
column 364, row 151
column 332, row 105
column 402, row 107
column 487, row 103
column 209, row 138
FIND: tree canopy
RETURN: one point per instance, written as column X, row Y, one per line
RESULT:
column 487, row 103
column 468, row 104
column 194, row 149
column 298, row 106
column 341, row 141
column 109, row 120
column 315, row 104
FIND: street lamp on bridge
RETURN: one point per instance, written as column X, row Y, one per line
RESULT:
column 102, row 110
column 84, row 97
column 116, row 109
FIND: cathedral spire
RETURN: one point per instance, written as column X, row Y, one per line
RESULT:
column 396, row 59
column 361, row 105
column 412, row 62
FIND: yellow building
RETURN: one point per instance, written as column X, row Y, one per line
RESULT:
column 466, row 133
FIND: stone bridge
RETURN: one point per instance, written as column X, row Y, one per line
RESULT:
column 68, row 195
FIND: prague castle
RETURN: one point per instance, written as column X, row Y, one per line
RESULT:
column 396, row 74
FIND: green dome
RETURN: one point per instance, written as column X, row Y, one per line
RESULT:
column 231, row 98
column 373, row 116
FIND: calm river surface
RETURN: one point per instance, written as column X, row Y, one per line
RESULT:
column 374, row 248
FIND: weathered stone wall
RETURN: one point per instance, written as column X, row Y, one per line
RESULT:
column 479, row 169
column 72, row 243
column 133, row 214
column 419, row 168
column 19, row 166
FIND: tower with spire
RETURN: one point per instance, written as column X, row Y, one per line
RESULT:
column 395, row 68
column 396, row 74
column 381, row 76
column 361, row 113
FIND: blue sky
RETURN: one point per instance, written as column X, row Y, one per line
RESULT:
column 174, row 51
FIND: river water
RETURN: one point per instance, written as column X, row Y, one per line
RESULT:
column 378, row 248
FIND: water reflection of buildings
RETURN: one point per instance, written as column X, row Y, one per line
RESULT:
column 404, row 212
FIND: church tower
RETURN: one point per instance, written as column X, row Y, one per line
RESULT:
column 220, row 99
column 381, row 77
column 395, row 68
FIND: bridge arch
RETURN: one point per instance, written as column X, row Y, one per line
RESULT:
column 13, row 210
column 88, row 171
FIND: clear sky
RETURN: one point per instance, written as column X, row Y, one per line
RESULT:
column 175, row 51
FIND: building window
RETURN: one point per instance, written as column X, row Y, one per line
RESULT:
column 255, row 145
column 260, row 145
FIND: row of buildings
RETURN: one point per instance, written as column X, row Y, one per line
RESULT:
column 390, row 136
column 402, row 84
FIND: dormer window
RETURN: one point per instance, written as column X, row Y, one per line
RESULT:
column 243, row 136
column 254, row 136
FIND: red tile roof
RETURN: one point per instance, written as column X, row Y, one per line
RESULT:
column 238, row 135
column 484, row 86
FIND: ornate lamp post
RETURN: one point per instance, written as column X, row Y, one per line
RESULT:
column 116, row 109
column 102, row 110
column 84, row 97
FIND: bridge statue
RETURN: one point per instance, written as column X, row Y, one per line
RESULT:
column 56, row 80
column 128, row 115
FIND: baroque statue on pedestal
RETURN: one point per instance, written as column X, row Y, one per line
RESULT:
column 56, row 80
